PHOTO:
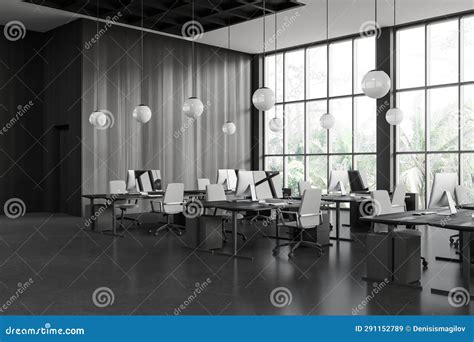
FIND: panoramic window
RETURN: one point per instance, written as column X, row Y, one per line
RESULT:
column 304, row 150
column 435, row 90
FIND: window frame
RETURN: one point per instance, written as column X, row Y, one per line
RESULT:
column 353, row 95
column 426, row 152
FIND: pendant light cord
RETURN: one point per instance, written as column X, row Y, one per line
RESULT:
column 141, row 53
column 276, row 69
column 327, row 54
column 263, row 41
column 97, row 53
column 394, row 13
column 375, row 17
column 193, row 68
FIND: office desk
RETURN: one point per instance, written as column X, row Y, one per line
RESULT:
column 338, row 199
column 238, row 206
column 462, row 222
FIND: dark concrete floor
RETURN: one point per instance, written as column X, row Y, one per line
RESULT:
column 155, row 275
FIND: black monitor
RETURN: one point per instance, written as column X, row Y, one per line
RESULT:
column 356, row 182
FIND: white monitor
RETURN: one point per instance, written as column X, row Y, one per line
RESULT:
column 336, row 178
column 131, row 181
column 227, row 178
column 244, row 181
column 442, row 183
column 451, row 203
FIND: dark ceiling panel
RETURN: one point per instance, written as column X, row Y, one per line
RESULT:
column 170, row 15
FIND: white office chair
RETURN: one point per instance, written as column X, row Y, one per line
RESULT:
column 120, row 187
column 172, row 204
column 382, row 206
column 302, row 186
column 307, row 217
column 214, row 193
column 203, row 183
column 398, row 198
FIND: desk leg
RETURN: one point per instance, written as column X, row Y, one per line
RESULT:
column 113, row 232
column 466, row 260
column 466, row 268
column 92, row 214
column 338, row 225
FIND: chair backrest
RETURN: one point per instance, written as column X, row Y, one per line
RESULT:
column 131, row 181
column 381, row 202
column 263, row 190
column 337, row 176
column 228, row 178
column 117, row 187
column 302, row 186
column 215, row 192
column 463, row 195
column 442, row 182
column 174, row 194
column 203, row 183
column 399, row 194
column 310, row 204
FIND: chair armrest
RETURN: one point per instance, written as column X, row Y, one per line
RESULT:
column 289, row 212
column 309, row 215
column 172, row 203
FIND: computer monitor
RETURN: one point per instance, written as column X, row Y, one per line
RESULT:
column 244, row 181
column 228, row 178
column 131, row 181
column 338, row 179
column 451, row 202
column 148, row 180
column 356, row 182
column 442, row 182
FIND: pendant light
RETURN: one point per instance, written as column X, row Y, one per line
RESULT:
column 193, row 107
column 376, row 83
column 98, row 119
column 141, row 113
column 229, row 127
column 327, row 120
column 394, row 116
column 276, row 124
column 263, row 98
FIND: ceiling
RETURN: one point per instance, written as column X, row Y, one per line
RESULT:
column 296, row 26
column 171, row 16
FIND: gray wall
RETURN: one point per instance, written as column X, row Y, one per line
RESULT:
column 183, row 150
